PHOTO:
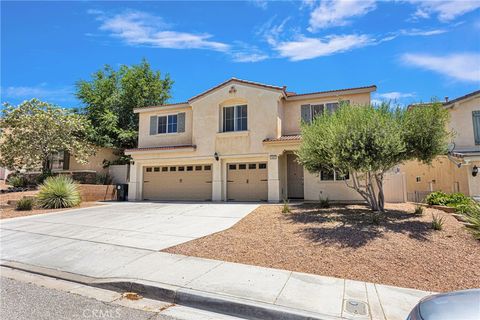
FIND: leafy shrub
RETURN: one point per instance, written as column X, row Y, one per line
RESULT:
column 103, row 178
column 286, row 207
column 25, row 204
column 324, row 203
column 419, row 210
column 58, row 192
column 17, row 181
column 451, row 200
column 437, row 222
column 437, row 198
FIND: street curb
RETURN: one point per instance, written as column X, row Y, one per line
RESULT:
column 212, row 302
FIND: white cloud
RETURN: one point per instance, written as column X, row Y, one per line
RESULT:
column 41, row 92
column 140, row 28
column 445, row 10
column 394, row 95
column 308, row 48
column 331, row 13
column 461, row 66
column 243, row 52
column 262, row 4
column 419, row 32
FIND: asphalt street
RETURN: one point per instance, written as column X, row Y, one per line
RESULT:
column 27, row 301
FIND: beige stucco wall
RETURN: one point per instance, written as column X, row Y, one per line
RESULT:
column 314, row 189
column 462, row 123
column 292, row 109
column 166, row 139
column 262, row 113
column 441, row 175
column 95, row 162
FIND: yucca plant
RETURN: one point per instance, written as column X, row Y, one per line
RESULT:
column 25, row 204
column 58, row 192
column 286, row 206
column 324, row 203
column 472, row 219
column 419, row 210
column 437, row 222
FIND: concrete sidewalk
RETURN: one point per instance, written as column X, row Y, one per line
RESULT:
column 235, row 289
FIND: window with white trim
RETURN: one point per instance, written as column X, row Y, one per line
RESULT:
column 330, row 175
column 235, row 118
column 167, row 124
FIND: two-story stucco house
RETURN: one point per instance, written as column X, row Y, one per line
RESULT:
column 235, row 141
column 457, row 171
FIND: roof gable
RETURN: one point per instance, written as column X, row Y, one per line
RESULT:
column 239, row 81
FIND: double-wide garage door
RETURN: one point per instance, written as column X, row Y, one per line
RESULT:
column 185, row 182
column 247, row 181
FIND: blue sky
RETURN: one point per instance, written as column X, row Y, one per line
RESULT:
column 412, row 50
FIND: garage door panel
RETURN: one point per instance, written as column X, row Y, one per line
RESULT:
column 247, row 181
column 186, row 182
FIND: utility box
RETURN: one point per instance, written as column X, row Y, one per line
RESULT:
column 122, row 192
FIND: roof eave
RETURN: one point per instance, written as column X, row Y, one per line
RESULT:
column 336, row 93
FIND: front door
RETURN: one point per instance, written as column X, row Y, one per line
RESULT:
column 294, row 177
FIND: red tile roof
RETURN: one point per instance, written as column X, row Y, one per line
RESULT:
column 295, row 137
column 161, row 148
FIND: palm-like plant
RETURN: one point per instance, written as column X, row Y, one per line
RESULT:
column 58, row 192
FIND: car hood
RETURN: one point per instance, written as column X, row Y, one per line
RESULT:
column 463, row 304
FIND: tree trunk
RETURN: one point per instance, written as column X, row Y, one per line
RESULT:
column 381, row 196
column 46, row 170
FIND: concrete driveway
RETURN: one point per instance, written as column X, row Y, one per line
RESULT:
column 149, row 226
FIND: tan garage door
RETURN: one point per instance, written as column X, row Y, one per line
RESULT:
column 247, row 181
column 186, row 182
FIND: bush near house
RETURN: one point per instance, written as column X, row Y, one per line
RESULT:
column 466, row 206
column 58, row 192
column 443, row 199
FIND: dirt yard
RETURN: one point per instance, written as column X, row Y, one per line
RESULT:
column 403, row 250
column 8, row 211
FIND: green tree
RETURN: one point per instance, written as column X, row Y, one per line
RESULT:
column 34, row 130
column 366, row 141
column 111, row 95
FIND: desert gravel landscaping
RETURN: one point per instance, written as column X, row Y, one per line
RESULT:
column 403, row 250
column 8, row 211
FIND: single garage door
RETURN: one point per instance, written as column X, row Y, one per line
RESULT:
column 186, row 182
column 247, row 181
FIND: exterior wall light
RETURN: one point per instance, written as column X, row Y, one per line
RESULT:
column 474, row 171
column 215, row 155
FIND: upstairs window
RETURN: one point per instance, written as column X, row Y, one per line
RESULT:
column 171, row 123
column 167, row 124
column 235, row 118
column 310, row 111
column 476, row 126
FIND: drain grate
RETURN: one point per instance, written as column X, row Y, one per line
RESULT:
column 355, row 307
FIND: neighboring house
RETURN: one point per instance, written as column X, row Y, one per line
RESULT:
column 64, row 162
column 235, row 141
column 457, row 171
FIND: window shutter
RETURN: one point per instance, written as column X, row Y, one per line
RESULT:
column 181, row 122
column 66, row 160
column 153, row 125
column 305, row 113
column 476, row 126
